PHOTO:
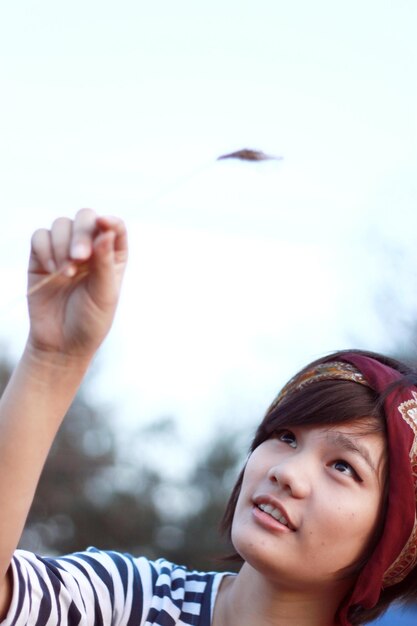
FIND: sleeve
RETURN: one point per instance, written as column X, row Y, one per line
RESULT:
column 89, row 588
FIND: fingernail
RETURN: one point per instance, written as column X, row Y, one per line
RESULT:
column 70, row 271
column 79, row 251
column 50, row 266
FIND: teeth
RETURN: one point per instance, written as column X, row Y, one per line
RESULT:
column 267, row 508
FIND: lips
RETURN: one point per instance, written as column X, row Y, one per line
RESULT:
column 271, row 506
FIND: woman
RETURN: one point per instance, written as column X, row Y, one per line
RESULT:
column 322, row 516
column 353, row 414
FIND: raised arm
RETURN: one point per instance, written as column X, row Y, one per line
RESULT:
column 69, row 317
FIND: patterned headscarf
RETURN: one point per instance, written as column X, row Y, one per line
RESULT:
column 395, row 555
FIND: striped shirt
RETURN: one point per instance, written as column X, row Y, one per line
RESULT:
column 108, row 589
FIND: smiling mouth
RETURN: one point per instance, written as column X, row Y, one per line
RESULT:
column 275, row 513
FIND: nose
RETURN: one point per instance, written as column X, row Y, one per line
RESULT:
column 293, row 475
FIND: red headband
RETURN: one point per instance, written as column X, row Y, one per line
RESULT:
column 396, row 553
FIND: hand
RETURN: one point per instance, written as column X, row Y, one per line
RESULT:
column 86, row 257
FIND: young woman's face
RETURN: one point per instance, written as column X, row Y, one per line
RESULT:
column 309, row 503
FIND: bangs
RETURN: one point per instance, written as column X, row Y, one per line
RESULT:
column 327, row 402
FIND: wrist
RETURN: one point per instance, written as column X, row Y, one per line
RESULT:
column 54, row 361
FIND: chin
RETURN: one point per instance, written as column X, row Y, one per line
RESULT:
column 257, row 555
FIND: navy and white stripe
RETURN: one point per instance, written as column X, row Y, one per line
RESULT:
column 108, row 589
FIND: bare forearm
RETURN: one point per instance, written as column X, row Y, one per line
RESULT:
column 31, row 411
column 74, row 277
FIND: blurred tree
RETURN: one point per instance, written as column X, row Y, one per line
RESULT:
column 207, row 490
column 82, row 499
column 93, row 492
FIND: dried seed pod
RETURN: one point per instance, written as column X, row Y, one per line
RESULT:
column 246, row 154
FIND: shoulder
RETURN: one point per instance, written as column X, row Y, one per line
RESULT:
column 178, row 584
column 186, row 596
column 109, row 583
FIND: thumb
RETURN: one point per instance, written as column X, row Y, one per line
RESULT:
column 102, row 277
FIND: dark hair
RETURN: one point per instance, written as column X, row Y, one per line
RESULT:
column 330, row 402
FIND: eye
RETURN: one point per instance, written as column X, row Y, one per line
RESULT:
column 345, row 468
column 287, row 437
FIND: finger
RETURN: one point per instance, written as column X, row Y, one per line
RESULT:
column 83, row 232
column 117, row 225
column 109, row 257
column 104, row 251
column 61, row 232
column 110, row 248
column 41, row 255
column 102, row 278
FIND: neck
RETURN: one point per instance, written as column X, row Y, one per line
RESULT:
column 250, row 598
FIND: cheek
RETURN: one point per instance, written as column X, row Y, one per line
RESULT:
column 242, row 517
column 243, row 504
column 371, row 522
column 354, row 522
column 239, row 535
column 257, row 466
column 250, row 478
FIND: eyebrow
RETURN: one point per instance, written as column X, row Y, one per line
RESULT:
column 346, row 443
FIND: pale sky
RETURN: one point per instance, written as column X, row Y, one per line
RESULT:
column 239, row 273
